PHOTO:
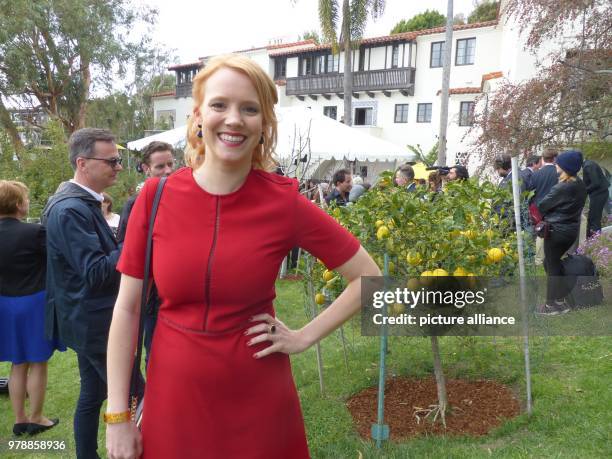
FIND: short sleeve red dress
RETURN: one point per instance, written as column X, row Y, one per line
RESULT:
column 215, row 263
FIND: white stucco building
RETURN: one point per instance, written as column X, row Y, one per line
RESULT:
column 397, row 81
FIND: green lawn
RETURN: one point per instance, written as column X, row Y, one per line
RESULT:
column 571, row 390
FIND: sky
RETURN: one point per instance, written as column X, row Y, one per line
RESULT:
column 197, row 28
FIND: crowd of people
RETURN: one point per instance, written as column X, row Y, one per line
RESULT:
column 216, row 353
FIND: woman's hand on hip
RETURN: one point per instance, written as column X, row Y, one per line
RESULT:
column 283, row 339
column 123, row 441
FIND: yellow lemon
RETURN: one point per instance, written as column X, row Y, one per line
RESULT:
column 414, row 259
column 470, row 234
column 382, row 232
column 439, row 272
column 460, row 272
column 495, row 254
column 320, row 298
column 379, row 223
column 490, row 233
column 470, row 258
column 328, row 275
column 391, row 267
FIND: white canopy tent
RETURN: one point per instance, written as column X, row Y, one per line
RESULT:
column 311, row 145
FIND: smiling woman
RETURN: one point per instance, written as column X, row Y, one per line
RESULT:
column 219, row 368
column 250, row 93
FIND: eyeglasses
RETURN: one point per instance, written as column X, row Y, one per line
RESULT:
column 114, row 162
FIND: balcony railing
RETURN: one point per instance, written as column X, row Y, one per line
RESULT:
column 371, row 80
column 183, row 89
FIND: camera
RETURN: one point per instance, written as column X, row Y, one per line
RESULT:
column 442, row 170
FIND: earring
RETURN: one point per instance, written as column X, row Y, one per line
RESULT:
column 261, row 139
column 199, row 133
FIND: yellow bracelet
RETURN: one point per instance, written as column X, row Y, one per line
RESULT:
column 117, row 418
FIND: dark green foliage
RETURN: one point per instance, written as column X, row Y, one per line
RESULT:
column 44, row 167
column 310, row 35
column 427, row 20
column 485, row 11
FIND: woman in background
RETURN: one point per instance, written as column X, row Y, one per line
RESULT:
column 107, row 210
column 561, row 208
column 23, row 263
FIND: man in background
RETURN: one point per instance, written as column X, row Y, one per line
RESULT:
column 157, row 161
column 597, row 185
column 343, row 182
column 82, row 280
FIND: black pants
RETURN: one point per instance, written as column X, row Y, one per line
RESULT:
column 554, row 248
column 597, row 202
column 92, row 369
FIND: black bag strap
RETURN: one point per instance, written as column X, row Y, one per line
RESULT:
column 145, row 285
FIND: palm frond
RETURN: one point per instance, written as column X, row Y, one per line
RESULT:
column 328, row 16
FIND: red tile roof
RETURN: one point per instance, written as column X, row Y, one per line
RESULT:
column 490, row 76
column 455, row 91
column 197, row 64
column 164, row 93
column 406, row 36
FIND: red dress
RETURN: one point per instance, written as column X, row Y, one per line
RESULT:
column 215, row 263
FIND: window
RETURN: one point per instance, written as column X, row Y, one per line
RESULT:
column 401, row 113
column 437, row 54
column 331, row 111
column 319, row 64
column 363, row 171
column 424, row 113
column 361, row 59
column 461, row 157
column 306, row 65
column 466, row 50
column 363, row 117
column 395, row 56
column 466, row 114
column 280, row 68
column 333, row 63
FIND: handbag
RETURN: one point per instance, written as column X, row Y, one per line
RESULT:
column 534, row 213
column 136, row 383
column 542, row 229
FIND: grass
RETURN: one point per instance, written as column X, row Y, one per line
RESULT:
column 571, row 393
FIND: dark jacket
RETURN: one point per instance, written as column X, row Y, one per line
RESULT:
column 82, row 282
column 542, row 181
column 23, row 257
column 336, row 198
column 563, row 206
column 595, row 180
column 125, row 215
column 525, row 176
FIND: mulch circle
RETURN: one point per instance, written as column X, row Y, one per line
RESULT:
column 476, row 407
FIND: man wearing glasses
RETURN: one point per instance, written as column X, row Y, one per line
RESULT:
column 82, row 282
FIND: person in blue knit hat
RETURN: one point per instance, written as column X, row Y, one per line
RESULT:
column 561, row 208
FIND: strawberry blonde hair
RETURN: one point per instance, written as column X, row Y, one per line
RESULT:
column 266, row 93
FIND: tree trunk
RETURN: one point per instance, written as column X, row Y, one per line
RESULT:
column 440, row 380
column 448, row 45
column 11, row 129
column 348, row 64
column 83, row 96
